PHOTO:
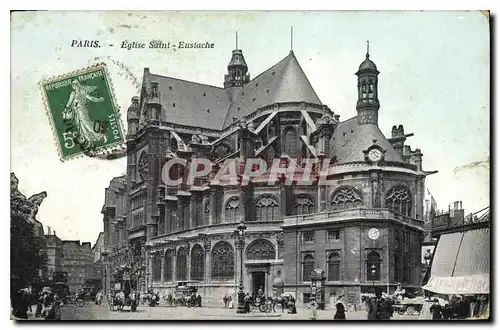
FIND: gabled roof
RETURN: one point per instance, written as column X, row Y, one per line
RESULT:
column 191, row 104
column 283, row 82
column 350, row 139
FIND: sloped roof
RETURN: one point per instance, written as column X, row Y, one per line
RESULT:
column 211, row 107
column 283, row 82
column 190, row 103
column 350, row 139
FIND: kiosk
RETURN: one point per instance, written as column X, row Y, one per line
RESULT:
column 318, row 287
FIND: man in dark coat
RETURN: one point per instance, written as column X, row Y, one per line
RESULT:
column 436, row 310
column 372, row 308
column 340, row 309
column 385, row 309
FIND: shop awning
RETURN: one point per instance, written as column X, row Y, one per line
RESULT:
column 461, row 263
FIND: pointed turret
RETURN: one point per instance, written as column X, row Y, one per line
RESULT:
column 368, row 104
column 236, row 69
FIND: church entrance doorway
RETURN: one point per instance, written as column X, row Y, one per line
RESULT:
column 258, row 280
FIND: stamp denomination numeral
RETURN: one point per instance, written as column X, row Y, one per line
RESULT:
column 69, row 142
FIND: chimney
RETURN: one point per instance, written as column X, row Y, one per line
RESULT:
column 455, row 205
column 460, row 206
column 54, row 233
column 48, row 230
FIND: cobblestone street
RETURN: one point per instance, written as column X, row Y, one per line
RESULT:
column 94, row 312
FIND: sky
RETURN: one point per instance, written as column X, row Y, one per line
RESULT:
column 434, row 79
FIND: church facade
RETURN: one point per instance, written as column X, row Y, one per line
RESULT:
column 363, row 227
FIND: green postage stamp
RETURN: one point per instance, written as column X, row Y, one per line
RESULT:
column 83, row 113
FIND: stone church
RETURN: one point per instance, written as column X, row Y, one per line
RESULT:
column 363, row 228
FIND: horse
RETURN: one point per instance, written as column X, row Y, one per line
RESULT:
column 282, row 300
column 119, row 300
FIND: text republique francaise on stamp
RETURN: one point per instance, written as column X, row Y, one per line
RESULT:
column 83, row 113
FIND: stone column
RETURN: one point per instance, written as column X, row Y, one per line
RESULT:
column 149, row 279
column 211, row 217
column 188, row 261
column 180, row 213
column 374, row 178
column 193, row 215
column 174, row 264
column 162, row 255
column 206, row 246
column 419, row 198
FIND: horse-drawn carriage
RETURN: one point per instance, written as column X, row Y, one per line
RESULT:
column 185, row 295
column 123, row 296
column 409, row 306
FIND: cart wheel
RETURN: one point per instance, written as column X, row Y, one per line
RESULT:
column 410, row 310
column 262, row 308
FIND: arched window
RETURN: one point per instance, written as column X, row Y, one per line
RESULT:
column 304, row 204
column 334, row 267
column 307, row 267
column 267, row 208
column 181, row 264
column 156, row 263
column 197, row 263
column 222, row 261
column 169, row 266
column 373, row 266
column 290, row 142
column 346, row 198
column 233, row 210
column 364, row 90
column 261, row 249
column 398, row 200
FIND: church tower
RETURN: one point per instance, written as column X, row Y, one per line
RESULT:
column 368, row 104
column 237, row 71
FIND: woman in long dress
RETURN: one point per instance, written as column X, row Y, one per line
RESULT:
column 76, row 109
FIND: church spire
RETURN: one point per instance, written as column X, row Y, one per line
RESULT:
column 368, row 103
column 236, row 69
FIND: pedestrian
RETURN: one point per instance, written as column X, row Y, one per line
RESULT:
column 436, row 310
column 54, row 313
column 247, row 301
column 372, row 308
column 385, row 308
column 340, row 309
column 293, row 308
column 313, row 306
column 39, row 304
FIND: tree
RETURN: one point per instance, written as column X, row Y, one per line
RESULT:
column 28, row 254
column 27, row 251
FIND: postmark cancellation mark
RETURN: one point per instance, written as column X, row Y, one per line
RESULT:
column 83, row 113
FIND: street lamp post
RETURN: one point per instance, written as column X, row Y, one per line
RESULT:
column 240, row 234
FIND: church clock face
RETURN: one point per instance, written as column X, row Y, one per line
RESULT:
column 374, row 234
column 143, row 166
column 375, row 155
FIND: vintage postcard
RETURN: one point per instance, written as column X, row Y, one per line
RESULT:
column 260, row 165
